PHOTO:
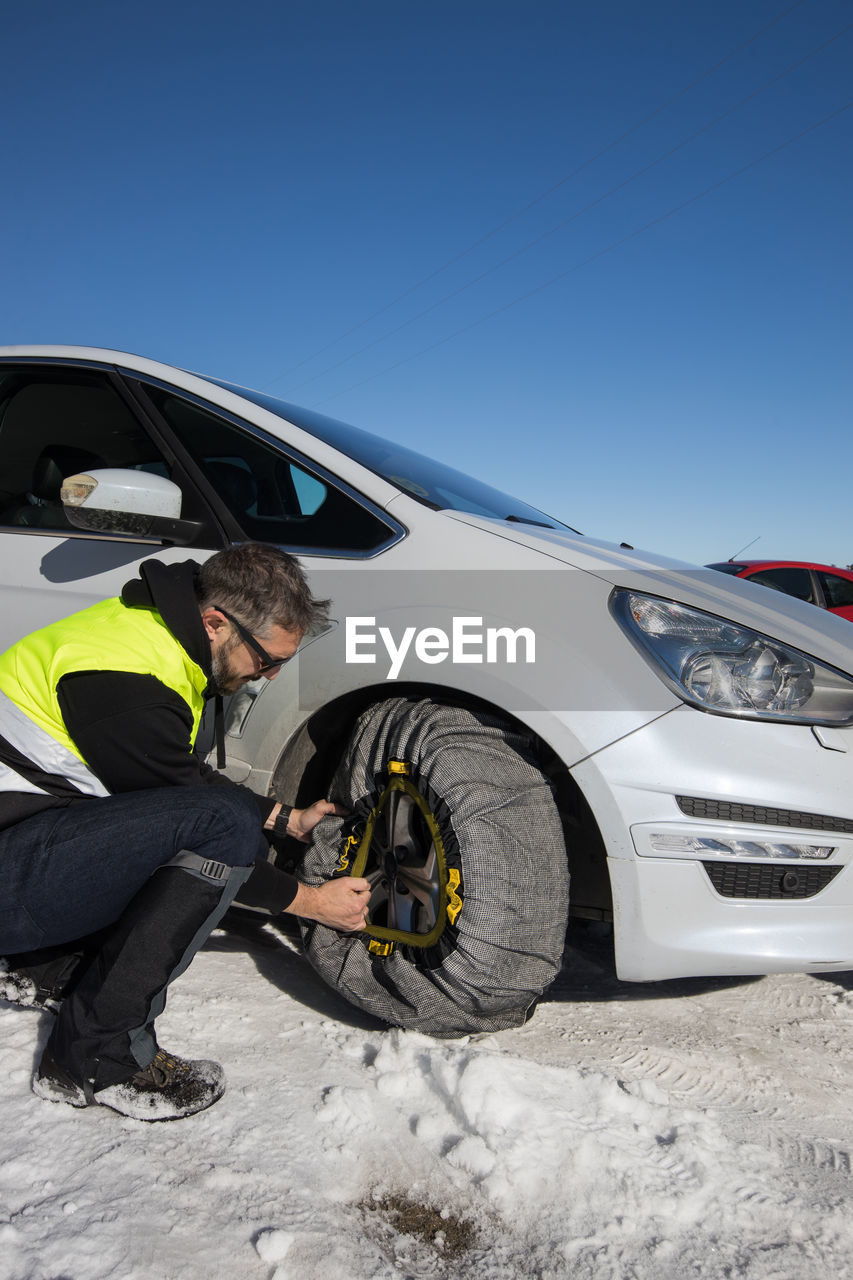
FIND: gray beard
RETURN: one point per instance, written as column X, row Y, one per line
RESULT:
column 222, row 676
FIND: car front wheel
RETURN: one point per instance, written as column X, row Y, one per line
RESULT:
column 456, row 829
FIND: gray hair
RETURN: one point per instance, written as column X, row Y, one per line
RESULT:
column 263, row 587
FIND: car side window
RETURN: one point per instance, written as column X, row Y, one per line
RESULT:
column 53, row 423
column 837, row 590
column 272, row 497
column 794, row 582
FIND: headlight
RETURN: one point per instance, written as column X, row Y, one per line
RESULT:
column 724, row 667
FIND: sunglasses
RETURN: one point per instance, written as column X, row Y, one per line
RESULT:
column 268, row 663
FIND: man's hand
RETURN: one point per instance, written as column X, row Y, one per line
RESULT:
column 303, row 821
column 341, row 904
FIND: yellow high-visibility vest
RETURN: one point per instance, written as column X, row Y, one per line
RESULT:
column 109, row 636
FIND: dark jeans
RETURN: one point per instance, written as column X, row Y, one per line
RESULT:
column 68, row 872
column 104, row 866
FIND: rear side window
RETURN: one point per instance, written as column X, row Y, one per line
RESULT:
column 794, row 582
column 53, row 423
column 727, row 567
column 837, row 590
column 272, row 496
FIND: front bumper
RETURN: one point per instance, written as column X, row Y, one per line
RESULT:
column 708, row 913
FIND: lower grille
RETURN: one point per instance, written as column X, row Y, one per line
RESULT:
column 768, row 879
column 731, row 811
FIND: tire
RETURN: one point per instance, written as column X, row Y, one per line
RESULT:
column 468, row 920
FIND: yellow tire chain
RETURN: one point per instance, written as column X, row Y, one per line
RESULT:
column 355, row 853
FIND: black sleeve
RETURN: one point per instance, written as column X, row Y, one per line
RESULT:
column 134, row 733
column 268, row 887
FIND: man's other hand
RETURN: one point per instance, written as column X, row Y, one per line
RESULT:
column 340, row 904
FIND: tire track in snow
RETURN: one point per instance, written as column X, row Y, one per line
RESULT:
column 757, row 1056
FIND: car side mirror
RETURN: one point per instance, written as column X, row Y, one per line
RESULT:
column 128, row 503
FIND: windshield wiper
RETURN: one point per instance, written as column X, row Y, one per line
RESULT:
column 540, row 524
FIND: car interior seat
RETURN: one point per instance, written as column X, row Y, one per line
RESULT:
column 235, row 485
column 43, row 508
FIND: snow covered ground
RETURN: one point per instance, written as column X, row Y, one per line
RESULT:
column 692, row 1129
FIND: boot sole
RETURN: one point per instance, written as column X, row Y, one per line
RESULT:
column 150, row 1107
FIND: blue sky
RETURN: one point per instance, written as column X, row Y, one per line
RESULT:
column 423, row 218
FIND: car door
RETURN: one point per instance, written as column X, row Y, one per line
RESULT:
column 837, row 592
column 237, row 483
column 60, row 418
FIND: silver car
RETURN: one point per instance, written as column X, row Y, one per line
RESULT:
column 500, row 701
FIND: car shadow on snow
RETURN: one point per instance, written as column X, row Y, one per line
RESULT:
column 840, row 978
column 588, row 973
column 588, row 970
column 275, row 946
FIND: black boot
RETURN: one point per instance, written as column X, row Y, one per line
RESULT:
column 42, row 979
column 168, row 1088
column 104, row 1035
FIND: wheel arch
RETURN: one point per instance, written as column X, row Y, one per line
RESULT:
column 310, row 757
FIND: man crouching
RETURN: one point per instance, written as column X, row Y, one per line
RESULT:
column 120, row 848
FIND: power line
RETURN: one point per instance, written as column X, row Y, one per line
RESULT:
column 542, row 196
column 577, row 214
column 599, row 254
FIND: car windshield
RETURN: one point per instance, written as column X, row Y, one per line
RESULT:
column 432, row 483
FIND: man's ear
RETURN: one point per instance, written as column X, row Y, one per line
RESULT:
column 215, row 625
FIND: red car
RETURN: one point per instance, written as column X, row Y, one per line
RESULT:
column 820, row 584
